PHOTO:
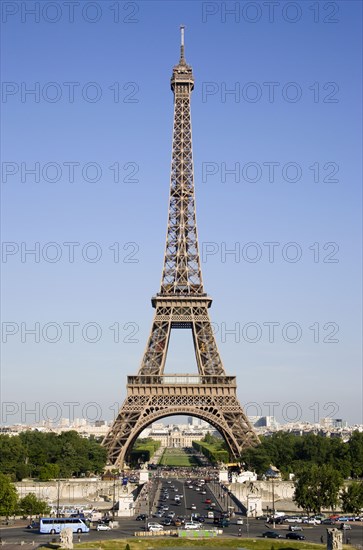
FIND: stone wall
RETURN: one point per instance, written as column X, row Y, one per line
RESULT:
column 90, row 491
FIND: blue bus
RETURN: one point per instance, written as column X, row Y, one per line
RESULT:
column 52, row 526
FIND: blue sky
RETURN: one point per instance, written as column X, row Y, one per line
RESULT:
column 102, row 99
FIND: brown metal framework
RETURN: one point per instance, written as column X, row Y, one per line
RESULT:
column 181, row 303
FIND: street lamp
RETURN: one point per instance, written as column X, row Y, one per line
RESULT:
column 273, row 503
column 114, row 497
column 58, row 496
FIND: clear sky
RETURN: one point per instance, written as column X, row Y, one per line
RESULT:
column 277, row 99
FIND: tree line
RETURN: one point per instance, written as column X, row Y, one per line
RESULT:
column 213, row 448
column 292, row 454
column 10, row 504
column 45, row 456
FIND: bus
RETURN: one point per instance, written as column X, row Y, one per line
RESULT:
column 52, row 526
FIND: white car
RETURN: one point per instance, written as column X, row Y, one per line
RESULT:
column 155, row 527
column 239, row 521
column 103, row 527
column 192, row 525
column 193, row 507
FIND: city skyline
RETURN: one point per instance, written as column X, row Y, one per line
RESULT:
column 280, row 253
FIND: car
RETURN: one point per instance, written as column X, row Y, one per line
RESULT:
column 221, row 522
column 167, row 522
column 200, row 519
column 171, row 515
column 293, row 519
column 328, row 521
column 208, row 501
column 295, row 528
column 239, row 521
column 153, row 526
column 191, row 525
column 295, row 536
column 103, row 527
column 159, row 515
column 312, row 521
column 177, row 522
column 141, row 517
column 345, row 526
column 165, row 508
column 204, row 492
column 271, row 535
column 193, row 507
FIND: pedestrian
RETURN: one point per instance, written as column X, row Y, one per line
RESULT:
column 322, row 539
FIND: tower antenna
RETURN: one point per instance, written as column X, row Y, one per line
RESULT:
column 182, row 58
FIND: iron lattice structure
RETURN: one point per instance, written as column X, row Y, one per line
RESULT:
column 181, row 303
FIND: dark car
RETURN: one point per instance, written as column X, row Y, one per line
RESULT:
column 328, row 522
column 295, row 536
column 141, row 517
column 221, row 522
column 271, row 535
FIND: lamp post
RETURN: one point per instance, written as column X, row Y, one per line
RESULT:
column 114, row 497
column 58, row 496
column 273, row 503
column 247, row 514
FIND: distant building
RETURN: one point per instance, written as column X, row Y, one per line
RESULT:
column 264, row 422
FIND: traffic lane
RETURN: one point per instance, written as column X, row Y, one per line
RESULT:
column 128, row 526
column 190, row 497
column 197, row 500
column 255, row 528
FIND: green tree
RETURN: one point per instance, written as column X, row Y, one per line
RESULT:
column 355, row 445
column 48, row 472
column 8, row 496
column 317, row 487
column 352, row 498
column 31, row 505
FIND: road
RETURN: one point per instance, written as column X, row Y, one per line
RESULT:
column 127, row 526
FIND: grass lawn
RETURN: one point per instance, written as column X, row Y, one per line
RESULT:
column 221, row 543
column 177, row 457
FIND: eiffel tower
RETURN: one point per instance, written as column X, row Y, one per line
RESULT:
column 180, row 304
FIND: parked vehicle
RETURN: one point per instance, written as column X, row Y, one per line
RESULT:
column 271, row 535
column 328, row 521
column 293, row 528
column 295, row 536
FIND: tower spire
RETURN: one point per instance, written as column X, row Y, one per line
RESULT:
column 182, row 56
